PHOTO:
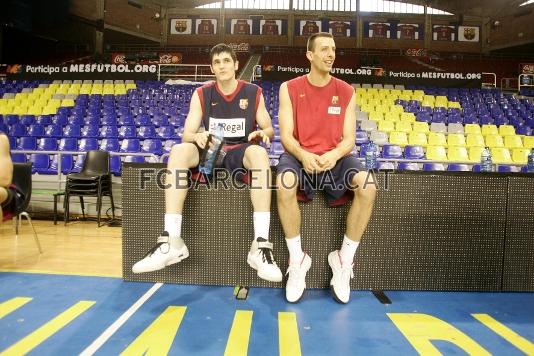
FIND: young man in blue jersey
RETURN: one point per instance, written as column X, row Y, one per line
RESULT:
column 240, row 106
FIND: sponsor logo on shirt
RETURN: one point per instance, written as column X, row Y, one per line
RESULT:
column 234, row 127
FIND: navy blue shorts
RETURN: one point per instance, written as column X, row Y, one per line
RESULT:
column 335, row 183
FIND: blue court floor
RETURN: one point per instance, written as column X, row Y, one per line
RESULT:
column 70, row 315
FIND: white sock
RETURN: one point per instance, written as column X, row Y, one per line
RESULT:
column 348, row 250
column 295, row 249
column 173, row 224
column 261, row 221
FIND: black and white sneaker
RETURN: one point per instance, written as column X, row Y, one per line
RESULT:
column 261, row 259
column 167, row 251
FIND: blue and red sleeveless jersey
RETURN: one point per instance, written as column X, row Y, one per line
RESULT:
column 318, row 112
column 236, row 112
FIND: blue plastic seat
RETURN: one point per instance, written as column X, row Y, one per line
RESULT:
column 88, row 144
column 167, row 146
column 27, row 143
column 458, row 167
column 127, row 132
column 90, row 131
column 53, row 130
column 17, row 130
column 433, row 167
column 68, row 144
column 72, row 131
column 408, row 166
column 110, row 145
column 18, row 157
column 115, row 165
column 47, row 144
column 391, row 151
column 146, row 132
column 11, row 119
column 27, row 119
column 36, row 130
column 166, row 132
column 43, row 120
column 41, row 162
column 142, row 120
column 361, row 137
column 386, row 166
column 125, row 120
column 130, row 145
column 109, row 132
column 507, row 168
column 152, row 146
column 67, row 163
column 414, row 152
column 78, row 165
column 134, row 159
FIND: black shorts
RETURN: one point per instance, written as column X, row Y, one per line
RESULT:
column 335, row 183
column 15, row 199
column 233, row 160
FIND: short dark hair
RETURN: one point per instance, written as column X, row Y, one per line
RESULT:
column 311, row 39
column 221, row 48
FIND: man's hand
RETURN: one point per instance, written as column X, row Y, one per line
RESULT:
column 310, row 162
column 327, row 161
column 259, row 135
column 201, row 138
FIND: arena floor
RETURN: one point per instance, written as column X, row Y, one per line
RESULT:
column 71, row 300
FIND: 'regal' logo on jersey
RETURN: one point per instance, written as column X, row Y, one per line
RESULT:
column 234, row 127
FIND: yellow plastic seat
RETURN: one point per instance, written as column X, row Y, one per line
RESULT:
column 376, row 116
column 421, row 127
column 403, row 126
column 391, row 116
column 475, row 140
column 528, row 141
column 436, row 153
column 458, row 154
column 407, row 116
column 474, row 153
column 489, row 130
column 67, row 102
column 520, row 155
column 436, row 139
column 454, row 104
column 397, row 108
column 472, row 129
column 501, row 155
column 513, row 141
column 456, row 139
column 367, row 108
column 494, row 141
column 505, row 130
column 386, row 126
column 398, row 138
column 417, row 139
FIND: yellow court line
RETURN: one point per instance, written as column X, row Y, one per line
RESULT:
column 238, row 339
column 81, row 274
column 29, row 342
column 158, row 337
column 506, row 333
column 288, row 334
column 12, row 305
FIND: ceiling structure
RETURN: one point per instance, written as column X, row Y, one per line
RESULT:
column 478, row 8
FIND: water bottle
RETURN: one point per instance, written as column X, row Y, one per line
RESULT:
column 486, row 163
column 211, row 151
column 371, row 155
column 530, row 164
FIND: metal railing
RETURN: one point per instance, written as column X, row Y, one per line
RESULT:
column 519, row 81
column 196, row 72
column 489, row 84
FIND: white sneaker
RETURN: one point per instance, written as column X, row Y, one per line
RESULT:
column 341, row 275
column 296, row 282
column 261, row 259
column 166, row 252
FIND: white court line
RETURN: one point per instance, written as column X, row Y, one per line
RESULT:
column 99, row 341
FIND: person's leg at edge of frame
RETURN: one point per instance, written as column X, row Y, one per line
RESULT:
column 3, row 198
column 341, row 261
column 170, row 247
column 260, row 256
column 288, row 209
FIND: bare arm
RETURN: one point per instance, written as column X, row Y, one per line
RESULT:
column 193, row 122
column 6, row 166
column 328, row 160
column 266, row 132
column 291, row 145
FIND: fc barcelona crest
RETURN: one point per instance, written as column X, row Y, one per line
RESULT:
column 180, row 25
column 335, row 100
column 469, row 33
column 243, row 103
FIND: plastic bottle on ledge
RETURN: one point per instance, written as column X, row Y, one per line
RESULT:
column 371, row 155
column 213, row 146
column 530, row 162
column 486, row 162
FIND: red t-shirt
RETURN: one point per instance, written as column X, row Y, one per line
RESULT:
column 318, row 113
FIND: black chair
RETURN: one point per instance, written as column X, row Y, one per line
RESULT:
column 93, row 180
column 22, row 178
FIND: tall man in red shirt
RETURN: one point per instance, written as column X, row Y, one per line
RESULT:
column 317, row 117
column 240, row 108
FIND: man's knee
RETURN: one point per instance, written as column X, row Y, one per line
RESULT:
column 286, row 187
column 182, row 152
column 256, row 156
column 365, row 186
column 3, row 194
